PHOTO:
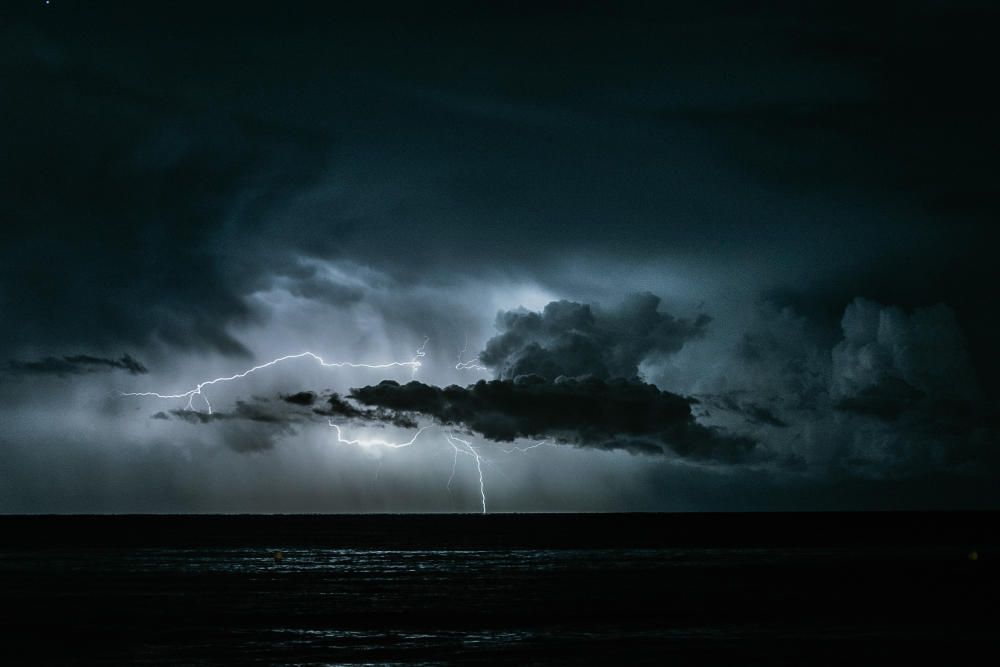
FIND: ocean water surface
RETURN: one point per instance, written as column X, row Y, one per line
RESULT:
column 717, row 589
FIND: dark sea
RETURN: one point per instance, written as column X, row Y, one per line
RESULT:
column 703, row 589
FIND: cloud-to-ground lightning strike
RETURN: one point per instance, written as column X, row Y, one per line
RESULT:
column 479, row 466
column 414, row 363
column 451, row 439
column 454, row 466
column 458, row 445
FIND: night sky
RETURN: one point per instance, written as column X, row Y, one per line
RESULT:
column 705, row 257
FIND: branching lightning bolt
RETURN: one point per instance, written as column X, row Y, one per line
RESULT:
column 472, row 364
column 383, row 443
column 542, row 443
column 414, row 363
column 458, row 445
column 479, row 465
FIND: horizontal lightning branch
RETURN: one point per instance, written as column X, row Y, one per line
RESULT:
column 471, row 365
column 459, row 446
column 190, row 394
column 543, row 443
column 384, row 443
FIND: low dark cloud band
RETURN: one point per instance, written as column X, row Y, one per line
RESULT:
column 588, row 412
column 78, row 364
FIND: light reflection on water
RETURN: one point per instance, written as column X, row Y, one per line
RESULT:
column 368, row 606
column 476, row 639
column 390, row 562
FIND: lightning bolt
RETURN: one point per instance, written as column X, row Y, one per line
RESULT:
column 459, row 445
column 370, row 443
column 415, row 361
column 454, row 465
column 515, row 448
column 471, row 365
column 479, row 463
column 190, row 394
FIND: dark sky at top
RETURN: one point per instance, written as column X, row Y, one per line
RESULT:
column 758, row 243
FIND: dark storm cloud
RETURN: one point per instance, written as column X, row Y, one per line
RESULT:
column 758, row 414
column 752, row 412
column 78, row 364
column 886, row 399
column 304, row 398
column 305, row 281
column 258, row 411
column 337, row 407
column 159, row 174
column 908, row 373
column 573, row 339
column 134, row 186
column 589, row 412
column 288, row 410
column 894, row 396
column 570, row 373
column 297, row 408
column 915, row 138
column 248, row 427
column 888, row 351
column 935, row 52
column 156, row 176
